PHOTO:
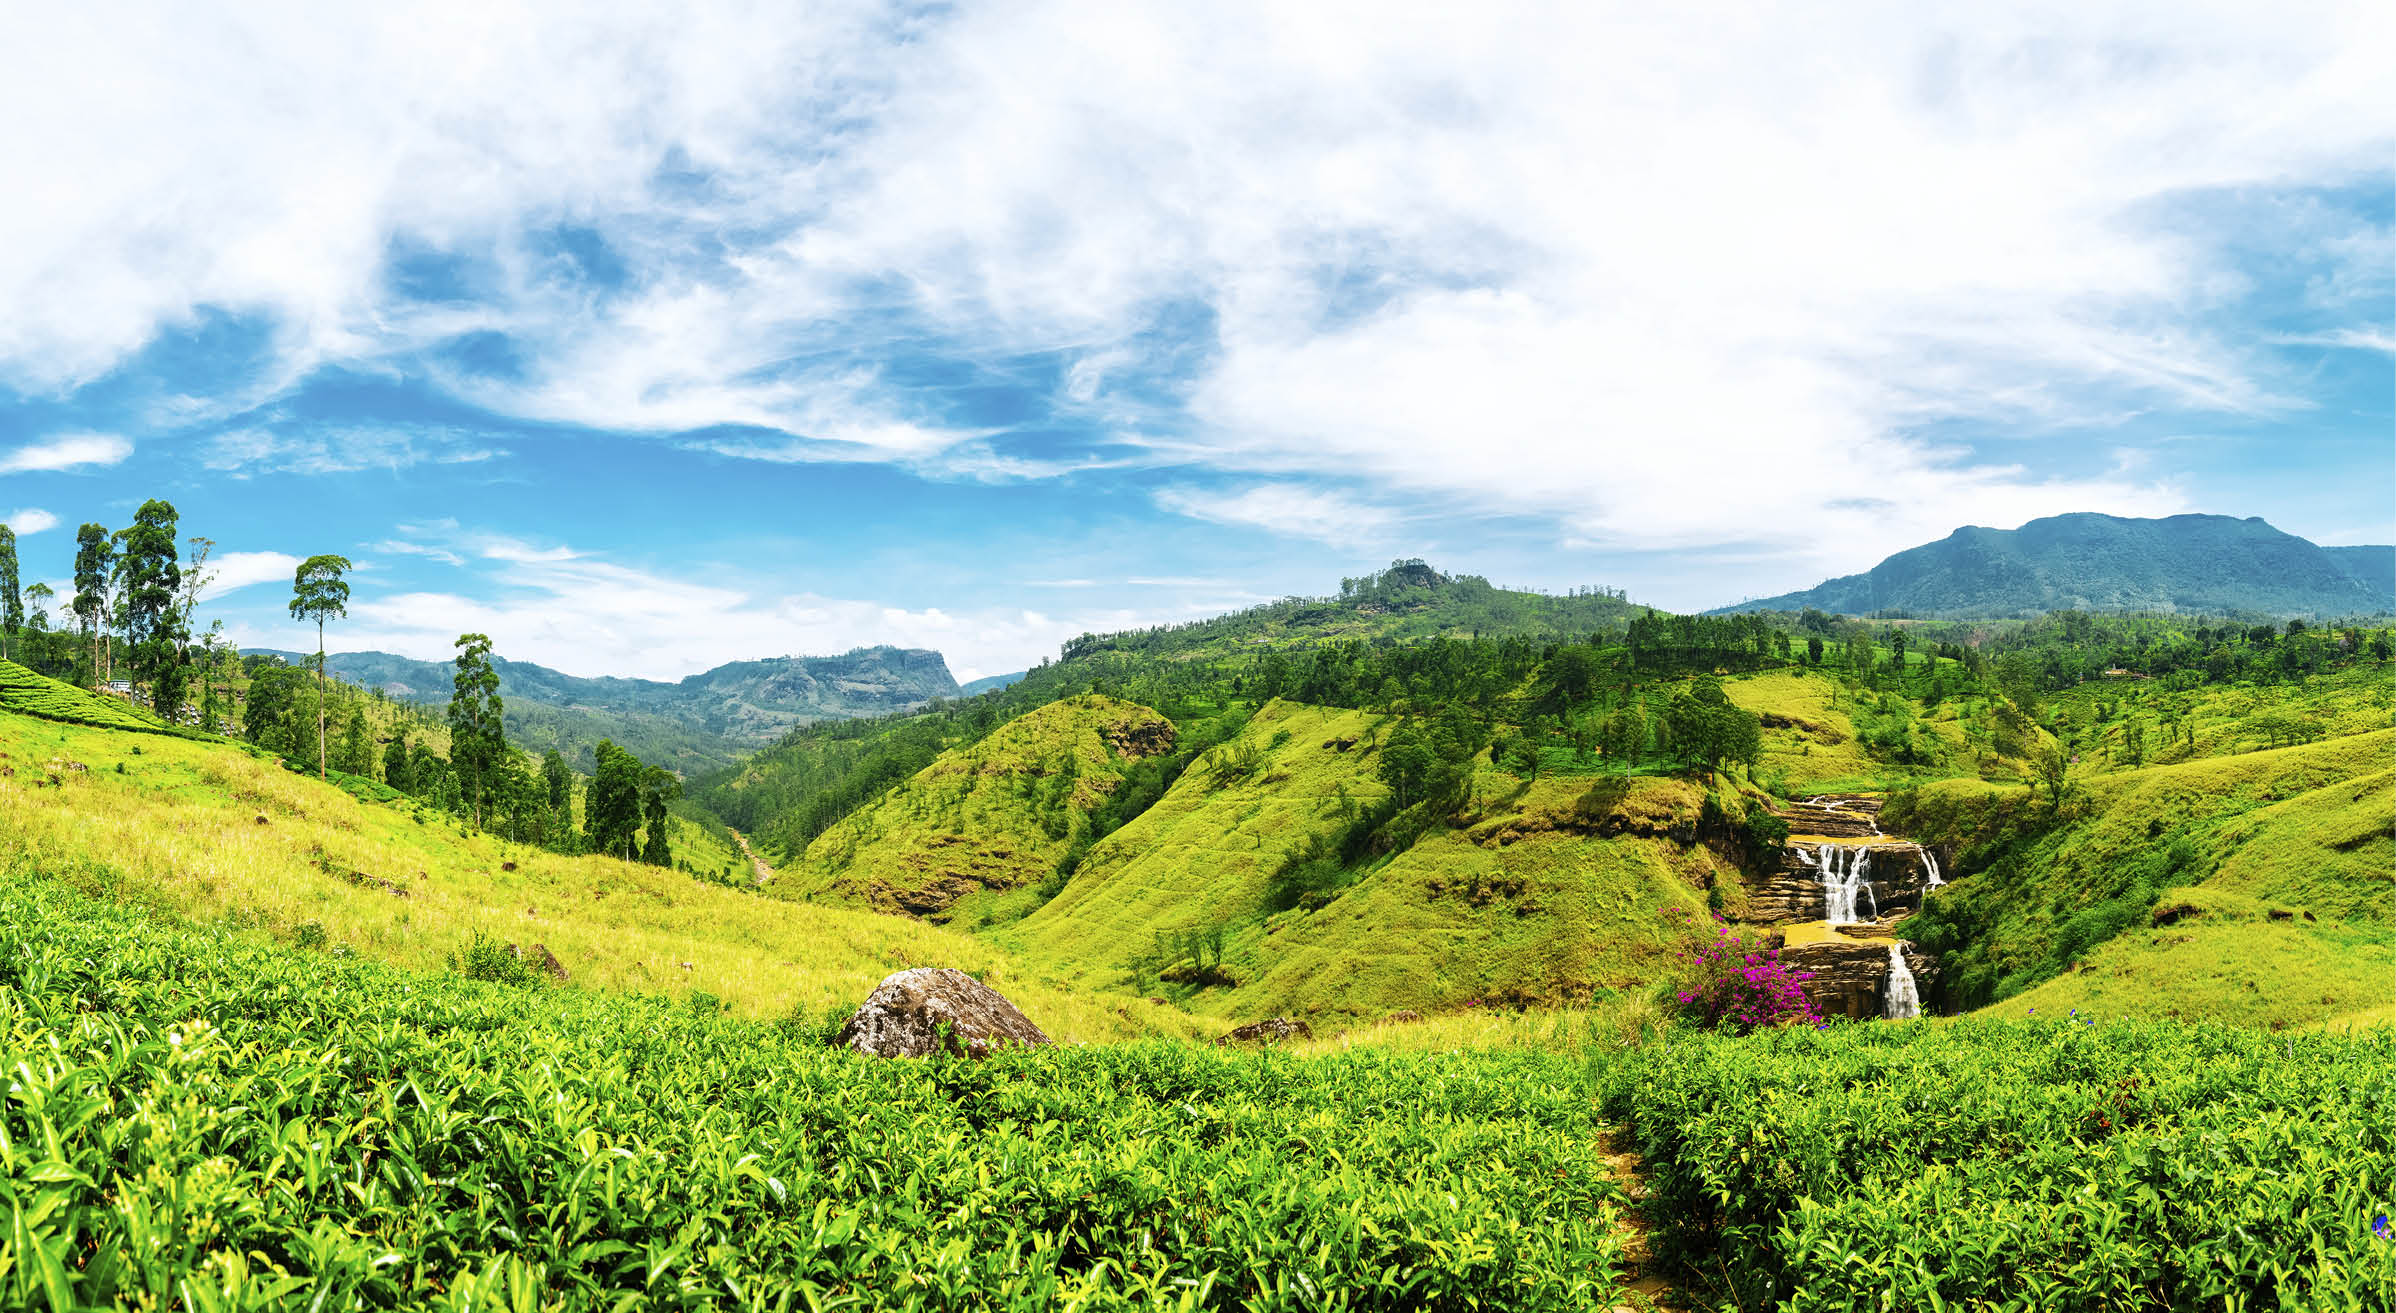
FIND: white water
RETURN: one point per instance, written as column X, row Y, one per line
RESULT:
column 1845, row 873
column 1903, row 1001
column 1930, row 864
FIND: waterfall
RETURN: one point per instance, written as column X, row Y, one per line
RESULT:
column 1930, row 864
column 1904, row 1002
column 1845, row 873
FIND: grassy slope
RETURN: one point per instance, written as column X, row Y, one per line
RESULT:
column 1513, row 905
column 26, row 693
column 2301, row 829
column 1811, row 742
column 997, row 815
column 2099, row 716
column 179, row 829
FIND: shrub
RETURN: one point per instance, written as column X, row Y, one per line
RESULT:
column 1739, row 984
column 485, row 958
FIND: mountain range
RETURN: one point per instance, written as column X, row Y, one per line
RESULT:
column 699, row 723
column 2213, row 564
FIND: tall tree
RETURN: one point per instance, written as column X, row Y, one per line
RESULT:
column 611, row 806
column 12, row 603
column 477, row 740
column 39, row 596
column 658, row 787
column 196, row 576
column 558, row 780
column 152, row 591
column 395, row 764
column 320, row 593
column 95, row 566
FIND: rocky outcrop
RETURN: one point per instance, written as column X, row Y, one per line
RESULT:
column 1136, row 739
column 1850, row 976
column 1898, row 876
column 918, row 1012
column 1271, row 1030
column 1846, row 816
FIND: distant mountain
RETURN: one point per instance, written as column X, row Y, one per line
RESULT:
column 2201, row 563
column 1409, row 601
column 2375, row 566
column 989, row 682
column 700, row 723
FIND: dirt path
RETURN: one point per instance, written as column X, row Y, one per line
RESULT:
column 764, row 872
column 1639, row 1288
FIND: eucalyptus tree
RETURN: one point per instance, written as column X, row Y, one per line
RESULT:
column 12, row 602
column 95, row 571
column 196, row 576
column 151, row 593
column 320, row 593
column 477, row 739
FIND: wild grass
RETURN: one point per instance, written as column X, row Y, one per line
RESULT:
column 218, row 835
column 1521, row 902
column 996, row 815
column 2304, row 831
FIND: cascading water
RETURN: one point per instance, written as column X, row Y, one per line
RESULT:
column 1930, row 864
column 1903, row 1002
column 1846, row 872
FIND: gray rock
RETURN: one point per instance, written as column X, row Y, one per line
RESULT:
column 1850, row 976
column 904, row 1017
column 1271, row 1030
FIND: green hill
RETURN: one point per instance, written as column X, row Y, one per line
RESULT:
column 2194, row 563
column 1527, row 895
column 222, row 835
column 994, row 816
column 2258, row 887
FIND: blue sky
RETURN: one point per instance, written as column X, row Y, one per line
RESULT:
column 644, row 341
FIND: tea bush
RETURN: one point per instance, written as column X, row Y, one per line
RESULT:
column 2048, row 1165
column 199, row 1122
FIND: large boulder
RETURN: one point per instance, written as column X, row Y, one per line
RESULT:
column 905, row 1015
column 1271, row 1030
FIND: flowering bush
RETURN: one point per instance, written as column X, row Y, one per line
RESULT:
column 1740, row 984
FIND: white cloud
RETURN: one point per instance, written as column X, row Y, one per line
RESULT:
column 2356, row 339
column 1287, row 509
column 31, row 520
column 402, row 547
column 234, row 570
column 573, row 611
column 1655, row 275
column 65, row 451
column 340, row 450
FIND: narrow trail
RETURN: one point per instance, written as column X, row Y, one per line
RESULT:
column 1639, row 1289
column 764, row 872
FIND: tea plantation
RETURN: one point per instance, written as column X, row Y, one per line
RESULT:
column 2052, row 1165
column 23, row 691
column 198, row 1122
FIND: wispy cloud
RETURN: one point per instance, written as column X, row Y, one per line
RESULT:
column 1288, row 509
column 31, row 520
column 237, row 570
column 577, row 611
column 1509, row 260
column 403, row 547
column 2355, row 339
column 244, row 452
column 65, row 451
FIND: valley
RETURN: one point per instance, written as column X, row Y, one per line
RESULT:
column 1501, row 878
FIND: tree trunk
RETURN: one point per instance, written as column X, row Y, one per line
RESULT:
column 320, row 775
